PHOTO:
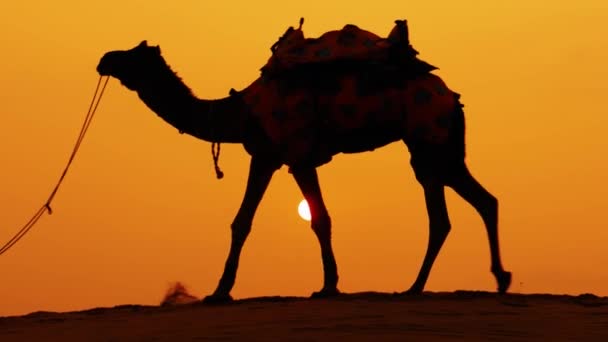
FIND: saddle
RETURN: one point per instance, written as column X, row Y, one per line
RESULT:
column 350, row 45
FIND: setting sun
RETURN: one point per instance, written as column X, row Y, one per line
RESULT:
column 304, row 210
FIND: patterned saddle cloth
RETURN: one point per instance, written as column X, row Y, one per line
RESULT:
column 350, row 44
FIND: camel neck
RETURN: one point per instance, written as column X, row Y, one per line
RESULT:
column 210, row 120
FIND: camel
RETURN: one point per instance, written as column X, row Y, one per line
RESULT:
column 301, row 120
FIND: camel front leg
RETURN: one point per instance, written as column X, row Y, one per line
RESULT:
column 260, row 173
column 321, row 224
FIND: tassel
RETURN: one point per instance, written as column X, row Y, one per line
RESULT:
column 215, row 152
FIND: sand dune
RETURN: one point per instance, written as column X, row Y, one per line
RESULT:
column 460, row 315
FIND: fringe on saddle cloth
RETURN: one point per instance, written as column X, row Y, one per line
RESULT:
column 292, row 120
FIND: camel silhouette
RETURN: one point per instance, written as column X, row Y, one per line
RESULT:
column 301, row 119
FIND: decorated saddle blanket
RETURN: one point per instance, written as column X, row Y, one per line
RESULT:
column 308, row 125
column 350, row 44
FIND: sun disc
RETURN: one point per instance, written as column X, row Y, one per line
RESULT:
column 304, row 210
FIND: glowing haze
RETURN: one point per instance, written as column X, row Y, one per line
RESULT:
column 141, row 207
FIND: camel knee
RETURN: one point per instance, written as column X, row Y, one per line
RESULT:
column 240, row 229
column 492, row 203
column 440, row 228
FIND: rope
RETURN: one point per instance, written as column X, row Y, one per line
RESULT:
column 215, row 145
column 47, row 205
column 215, row 152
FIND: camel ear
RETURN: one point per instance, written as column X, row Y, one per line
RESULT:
column 144, row 43
column 157, row 49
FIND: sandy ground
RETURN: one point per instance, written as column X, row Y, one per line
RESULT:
column 466, row 316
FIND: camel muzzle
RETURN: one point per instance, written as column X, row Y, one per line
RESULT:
column 102, row 67
column 108, row 62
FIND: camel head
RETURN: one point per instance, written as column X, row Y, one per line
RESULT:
column 131, row 67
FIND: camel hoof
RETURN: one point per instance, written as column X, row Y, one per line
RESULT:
column 217, row 299
column 504, row 281
column 326, row 293
column 411, row 292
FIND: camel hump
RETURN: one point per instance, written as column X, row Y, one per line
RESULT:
column 349, row 44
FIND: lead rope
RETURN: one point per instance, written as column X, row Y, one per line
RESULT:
column 47, row 205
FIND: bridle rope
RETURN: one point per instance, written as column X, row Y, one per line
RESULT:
column 99, row 90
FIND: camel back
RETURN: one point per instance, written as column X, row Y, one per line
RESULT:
column 348, row 45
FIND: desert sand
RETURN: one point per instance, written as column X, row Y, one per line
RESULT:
column 460, row 315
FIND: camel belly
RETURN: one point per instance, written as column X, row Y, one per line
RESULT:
column 366, row 138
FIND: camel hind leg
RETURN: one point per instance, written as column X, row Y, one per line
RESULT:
column 436, row 173
column 486, row 205
column 439, row 227
column 431, row 163
column 439, row 165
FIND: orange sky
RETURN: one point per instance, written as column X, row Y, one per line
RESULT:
column 141, row 206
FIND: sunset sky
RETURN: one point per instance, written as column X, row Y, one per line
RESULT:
column 141, row 207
